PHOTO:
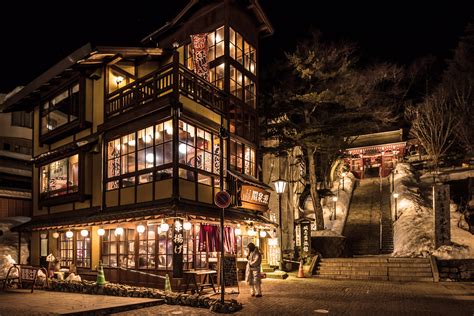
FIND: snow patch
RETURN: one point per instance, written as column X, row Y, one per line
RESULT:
column 414, row 229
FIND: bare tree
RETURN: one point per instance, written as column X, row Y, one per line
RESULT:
column 434, row 123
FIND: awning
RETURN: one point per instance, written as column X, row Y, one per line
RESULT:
column 249, row 180
column 98, row 217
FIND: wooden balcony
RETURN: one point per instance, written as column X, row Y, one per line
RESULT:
column 170, row 78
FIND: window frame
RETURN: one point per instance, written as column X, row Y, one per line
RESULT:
column 71, row 126
column 78, row 195
column 22, row 119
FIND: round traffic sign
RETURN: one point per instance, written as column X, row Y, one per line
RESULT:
column 222, row 199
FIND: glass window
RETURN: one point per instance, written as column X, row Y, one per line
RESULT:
column 118, row 250
column 66, row 250
column 60, row 177
column 249, row 161
column 22, row 118
column 250, row 92
column 61, row 109
column 83, row 250
column 215, row 43
column 236, row 150
column 242, row 51
column 145, row 149
column 147, row 248
column 216, row 76
column 165, row 249
column 236, row 81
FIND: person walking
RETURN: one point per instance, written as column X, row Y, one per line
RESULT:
column 252, row 272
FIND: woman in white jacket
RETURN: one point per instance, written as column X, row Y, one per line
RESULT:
column 252, row 273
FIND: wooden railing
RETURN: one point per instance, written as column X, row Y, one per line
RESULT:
column 159, row 83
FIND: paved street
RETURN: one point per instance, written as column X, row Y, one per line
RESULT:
column 316, row 296
column 280, row 297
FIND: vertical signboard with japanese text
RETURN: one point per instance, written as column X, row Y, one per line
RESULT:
column 178, row 240
column 442, row 220
column 199, row 45
column 305, row 238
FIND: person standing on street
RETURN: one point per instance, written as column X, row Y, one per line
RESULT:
column 252, row 272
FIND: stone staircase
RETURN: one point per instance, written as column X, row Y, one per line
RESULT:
column 369, row 212
column 376, row 268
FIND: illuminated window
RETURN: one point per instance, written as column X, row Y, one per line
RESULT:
column 83, row 250
column 60, row 110
column 216, row 76
column 249, row 161
column 215, row 43
column 119, row 251
column 250, row 92
column 60, row 177
column 131, row 154
column 242, row 51
column 147, row 248
column 236, row 151
column 236, row 82
column 66, row 250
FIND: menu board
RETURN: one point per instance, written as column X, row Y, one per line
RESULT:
column 230, row 271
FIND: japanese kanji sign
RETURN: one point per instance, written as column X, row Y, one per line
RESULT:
column 442, row 220
column 306, row 238
column 199, row 45
column 254, row 198
column 178, row 240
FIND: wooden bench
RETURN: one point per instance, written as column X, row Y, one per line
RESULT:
column 26, row 275
column 190, row 276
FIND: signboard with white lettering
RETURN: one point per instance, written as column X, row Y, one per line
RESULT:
column 306, row 238
column 254, row 198
column 442, row 220
column 178, row 240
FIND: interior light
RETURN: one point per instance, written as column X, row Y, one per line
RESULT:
column 140, row 229
column 149, row 157
column 84, row 233
column 69, row 234
column 131, row 142
column 118, row 231
column 238, row 231
column 101, row 232
column 118, row 80
column 251, row 232
column 164, row 226
column 187, row 225
column 55, row 235
column 182, row 148
column 148, row 139
column 263, row 233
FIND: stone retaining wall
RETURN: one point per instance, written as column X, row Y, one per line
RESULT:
column 114, row 289
column 456, row 270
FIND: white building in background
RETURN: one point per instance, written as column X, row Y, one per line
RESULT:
column 15, row 157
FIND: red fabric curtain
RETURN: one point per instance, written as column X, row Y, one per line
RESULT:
column 210, row 236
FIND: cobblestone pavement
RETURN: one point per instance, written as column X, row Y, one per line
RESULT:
column 317, row 296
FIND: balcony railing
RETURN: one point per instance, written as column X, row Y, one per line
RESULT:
column 160, row 83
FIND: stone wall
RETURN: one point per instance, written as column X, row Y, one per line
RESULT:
column 114, row 289
column 456, row 270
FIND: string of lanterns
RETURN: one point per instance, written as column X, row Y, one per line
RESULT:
column 163, row 227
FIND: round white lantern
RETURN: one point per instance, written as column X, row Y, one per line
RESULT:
column 84, row 233
column 140, row 229
column 55, row 235
column 187, row 225
column 118, row 231
column 101, row 232
column 69, row 234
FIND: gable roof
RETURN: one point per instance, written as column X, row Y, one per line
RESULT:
column 252, row 5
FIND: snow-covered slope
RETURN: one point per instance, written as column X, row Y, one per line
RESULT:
column 414, row 229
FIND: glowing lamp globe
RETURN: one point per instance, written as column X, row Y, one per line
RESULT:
column 280, row 186
column 263, row 233
column 140, row 229
column 84, row 233
column 101, row 232
column 187, row 225
column 69, row 234
column 118, row 231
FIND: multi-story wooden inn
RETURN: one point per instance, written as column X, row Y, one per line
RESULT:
column 130, row 145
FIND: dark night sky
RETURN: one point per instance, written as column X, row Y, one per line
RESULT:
column 398, row 31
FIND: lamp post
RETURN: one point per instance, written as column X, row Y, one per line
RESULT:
column 280, row 186
column 395, row 196
column 334, row 199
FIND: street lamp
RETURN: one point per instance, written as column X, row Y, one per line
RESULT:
column 280, row 186
column 395, row 196
column 334, row 199
column 344, row 174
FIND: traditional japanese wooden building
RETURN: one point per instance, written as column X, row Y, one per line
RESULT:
column 376, row 154
column 131, row 144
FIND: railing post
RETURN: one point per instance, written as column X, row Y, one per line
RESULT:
column 176, row 74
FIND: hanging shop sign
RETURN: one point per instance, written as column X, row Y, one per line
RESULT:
column 254, row 198
column 178, row 240
column 200, row 62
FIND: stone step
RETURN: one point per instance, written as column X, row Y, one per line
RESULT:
column 354, row 277
column 268, row 269
column 409, row 278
